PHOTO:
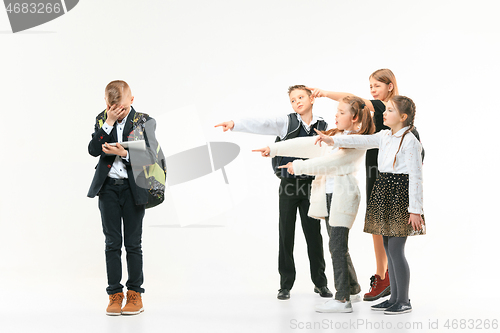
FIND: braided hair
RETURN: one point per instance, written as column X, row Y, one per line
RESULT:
column 404, row 105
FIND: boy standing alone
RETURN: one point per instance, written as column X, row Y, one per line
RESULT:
column 117, row 182
column 294, row 190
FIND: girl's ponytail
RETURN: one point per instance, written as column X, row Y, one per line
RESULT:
column 362, row 112
column 366, row 121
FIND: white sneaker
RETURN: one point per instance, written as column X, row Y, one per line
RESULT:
column 334, row 306
column 355, row 298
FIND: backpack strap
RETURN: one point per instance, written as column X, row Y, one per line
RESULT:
column 140, row 119
column 101, row 118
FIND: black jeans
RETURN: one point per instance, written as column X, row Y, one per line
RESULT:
column 293, row 195
column 116, row 203
column 346, row 281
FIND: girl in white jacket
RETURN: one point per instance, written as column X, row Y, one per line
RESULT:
column 335, row 175
column 395, row 208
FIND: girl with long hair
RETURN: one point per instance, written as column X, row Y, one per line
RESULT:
column 395, row 207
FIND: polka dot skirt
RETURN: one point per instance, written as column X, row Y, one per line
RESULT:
column 387, row 213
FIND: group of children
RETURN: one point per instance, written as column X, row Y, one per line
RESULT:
column 393, row 187
column 317, row 169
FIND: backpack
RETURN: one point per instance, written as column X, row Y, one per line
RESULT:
column 292, row 132
column 155, row 174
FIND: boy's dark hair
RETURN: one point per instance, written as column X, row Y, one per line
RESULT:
column 301, row 87
column 114, row 91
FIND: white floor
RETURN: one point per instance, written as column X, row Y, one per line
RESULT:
column 229, row 284
column 226, row 311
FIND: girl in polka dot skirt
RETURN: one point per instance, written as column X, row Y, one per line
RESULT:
column 395, row 208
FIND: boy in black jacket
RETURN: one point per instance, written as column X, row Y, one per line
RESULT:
column 294, row 190
column 120, row 185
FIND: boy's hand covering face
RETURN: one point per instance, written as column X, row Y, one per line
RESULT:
column 114, row 113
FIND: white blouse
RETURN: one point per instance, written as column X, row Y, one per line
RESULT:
column 118, row 170
column 408, row 160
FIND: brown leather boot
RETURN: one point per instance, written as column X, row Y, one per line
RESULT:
column 134, row 303
column 379, row 288
column 115, row 304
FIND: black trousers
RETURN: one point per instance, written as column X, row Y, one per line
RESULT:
column 116, row 204
column 371, row 164
column 293, row 195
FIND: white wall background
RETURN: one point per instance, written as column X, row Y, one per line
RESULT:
column 230, row 59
